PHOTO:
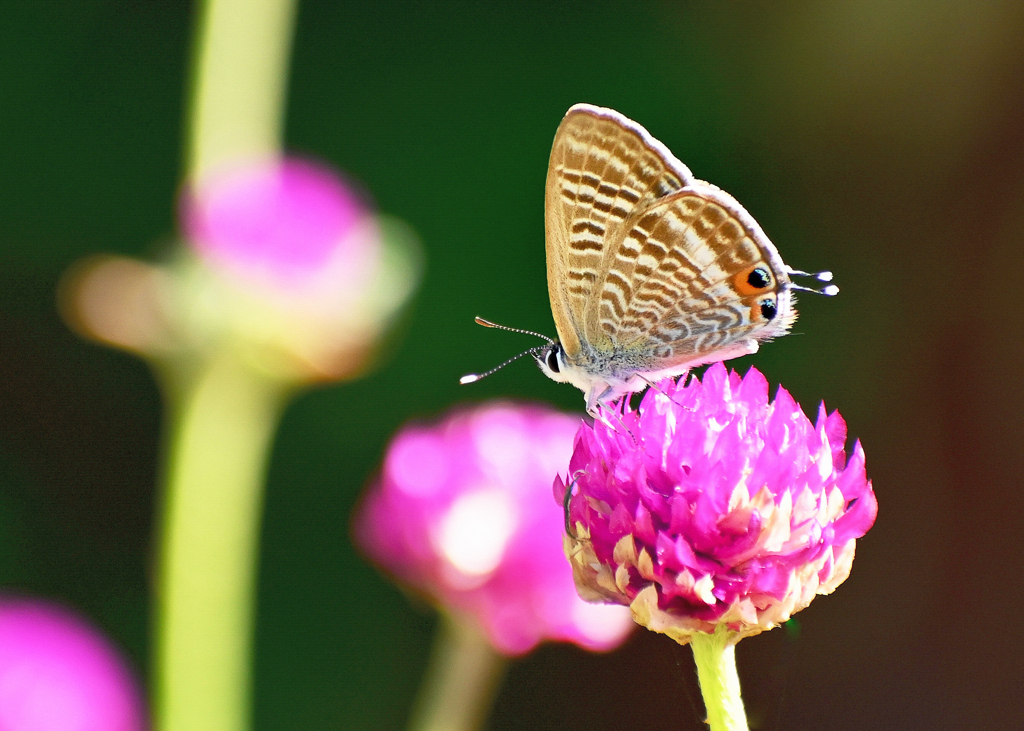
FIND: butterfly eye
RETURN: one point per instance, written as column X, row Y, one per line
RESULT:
column 768, row 308
column 552, row 359
column 754, row 280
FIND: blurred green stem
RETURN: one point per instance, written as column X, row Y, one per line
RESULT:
column 461, row 679
column 222, row 412
column 239, row 77
column 224, row 422
column 715, row 656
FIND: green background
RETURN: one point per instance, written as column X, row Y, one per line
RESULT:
column 881, row 139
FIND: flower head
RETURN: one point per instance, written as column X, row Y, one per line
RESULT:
column 285, row 265
column 57, row 672
column 462, row 513
column 715, row 506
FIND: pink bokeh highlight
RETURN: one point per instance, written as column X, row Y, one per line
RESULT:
column 462, row 514
column 287, row 218
column 57, row 673
column 712, row 504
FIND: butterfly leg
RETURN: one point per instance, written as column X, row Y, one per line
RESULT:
column 655, row 387
column 595, row 396
column 601, row 414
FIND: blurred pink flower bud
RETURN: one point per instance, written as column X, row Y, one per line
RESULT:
column 286, row 266
column 462, row 513
column 280, row 219
column 57, row 673
column 714, row 506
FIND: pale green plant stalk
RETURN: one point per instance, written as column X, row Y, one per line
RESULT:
column 239, row 77
column 715, row 656
column 222, row 411
column 224, row 421
column 461, row 679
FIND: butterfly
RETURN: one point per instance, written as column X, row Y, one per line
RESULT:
column 651, row 272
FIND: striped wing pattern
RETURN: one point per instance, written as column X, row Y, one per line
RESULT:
column 672, row 287
column 646, row 264
column 599, row 175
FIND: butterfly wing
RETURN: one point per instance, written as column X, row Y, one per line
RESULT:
column 603, row 168
column 691, row 274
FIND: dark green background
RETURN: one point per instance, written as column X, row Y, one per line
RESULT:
column 881, row 139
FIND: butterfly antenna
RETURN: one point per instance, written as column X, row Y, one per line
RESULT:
column 488, row 323
column 829, row 291
column 474, row 377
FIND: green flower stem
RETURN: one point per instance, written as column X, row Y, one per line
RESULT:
column 224, row 419
column 715, row 656
column 461, row 680
column 222, row 413
column 239, row 77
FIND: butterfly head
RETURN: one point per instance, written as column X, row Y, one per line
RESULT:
column 554, row 363
column 551, row 359
column 597, row 385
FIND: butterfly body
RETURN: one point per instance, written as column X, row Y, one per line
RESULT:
column 650, row 271
column 605, row 376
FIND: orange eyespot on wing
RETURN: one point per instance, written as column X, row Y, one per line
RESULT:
column 754, row 280
column 765, row 309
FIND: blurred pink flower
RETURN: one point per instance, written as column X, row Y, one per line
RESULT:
column 285, row 265
column 462, row 513
column 59, row 674
column 715, row 506
column 284, row 218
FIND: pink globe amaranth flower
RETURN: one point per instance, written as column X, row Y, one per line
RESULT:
column 462, row 513
column 59, row 674
column 711, row 505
